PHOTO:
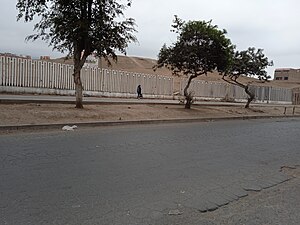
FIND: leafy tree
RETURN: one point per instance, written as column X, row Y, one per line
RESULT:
column 249, row 63
column 80, row 27
column 200, row 48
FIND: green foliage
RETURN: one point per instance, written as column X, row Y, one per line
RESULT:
column 250, row 63
column 200, row 48
column 80, row 25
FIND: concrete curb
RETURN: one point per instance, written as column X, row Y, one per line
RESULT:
column 59, row 126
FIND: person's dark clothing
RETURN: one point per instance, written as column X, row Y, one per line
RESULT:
column 139, row 91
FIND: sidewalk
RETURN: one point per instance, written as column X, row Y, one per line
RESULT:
column 8, row 98
column 27, row 112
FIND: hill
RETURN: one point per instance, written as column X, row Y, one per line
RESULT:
column 145, row 65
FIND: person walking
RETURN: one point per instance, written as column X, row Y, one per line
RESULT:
column 139, row 91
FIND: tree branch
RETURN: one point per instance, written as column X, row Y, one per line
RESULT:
column 234, row 82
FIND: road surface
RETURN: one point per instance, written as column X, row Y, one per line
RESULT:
column 142, row 174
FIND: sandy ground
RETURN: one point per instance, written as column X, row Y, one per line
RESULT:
column 19, row 114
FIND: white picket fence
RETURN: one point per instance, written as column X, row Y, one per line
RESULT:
column 26, row 73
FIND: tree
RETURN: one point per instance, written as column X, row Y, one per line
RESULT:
column 200, row 48
column 80, row 27
column 251, row 63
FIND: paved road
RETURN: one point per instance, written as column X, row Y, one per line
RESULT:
column 140, row 174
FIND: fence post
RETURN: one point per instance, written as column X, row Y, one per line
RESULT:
column 1, row 70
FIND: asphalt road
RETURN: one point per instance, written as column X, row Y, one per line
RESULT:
column 142, row 174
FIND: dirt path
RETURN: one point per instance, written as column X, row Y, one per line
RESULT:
column 19, row 114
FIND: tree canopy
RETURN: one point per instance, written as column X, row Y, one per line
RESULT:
column 80, row 27
column 200, row 48
column 251, row 63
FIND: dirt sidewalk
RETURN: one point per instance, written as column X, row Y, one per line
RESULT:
column 33, row 113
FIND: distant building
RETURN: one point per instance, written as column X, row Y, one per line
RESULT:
column 8, row 54
column 91, row 61
column 287, row 74
column 45, row 57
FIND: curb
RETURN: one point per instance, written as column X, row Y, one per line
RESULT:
column 26, row 127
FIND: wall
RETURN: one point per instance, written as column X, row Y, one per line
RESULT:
column 33, row 75
column 223, row 91
column 19, row 75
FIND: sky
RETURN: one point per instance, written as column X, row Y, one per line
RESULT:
column 272, row 25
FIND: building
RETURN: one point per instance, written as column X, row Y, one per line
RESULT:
column 287, row 74
column 7, row 54
column 44, row 57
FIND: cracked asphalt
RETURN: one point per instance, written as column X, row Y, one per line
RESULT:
column 193, row 173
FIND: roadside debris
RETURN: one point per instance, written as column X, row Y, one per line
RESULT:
column 69, row 128
column 174, row 212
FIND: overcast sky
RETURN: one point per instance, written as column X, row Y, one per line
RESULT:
column 269, row 24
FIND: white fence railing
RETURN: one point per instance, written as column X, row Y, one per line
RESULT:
column 20, row 73
column 206, row 89
column 27, row 73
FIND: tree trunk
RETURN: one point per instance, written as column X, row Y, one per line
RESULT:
column 250, row 98
column 78, row 89
column 187, row 95
column 80, row 55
